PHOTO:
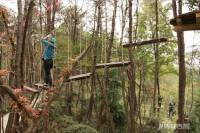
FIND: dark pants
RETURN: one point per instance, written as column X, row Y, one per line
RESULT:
column 48, row 64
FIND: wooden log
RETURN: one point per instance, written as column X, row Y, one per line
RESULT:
column 31, row 89
column 9, row 91
column 113, row 64
column 3, row 45
column 147, row 42
column 187, row 18
column 186, row 22
column 41, row 86
column 79, row 77
column 188, row 27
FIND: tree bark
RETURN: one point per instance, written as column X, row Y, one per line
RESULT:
column 22, row 61
column 19, row 44
column 156, row 56
column 182, row 72
column 131, row 77
column 74, row 36
column 12, row 62
column 93, row 78
column 108, row 56
column 19, row 59
column 49, row 12
column 11, row 119
column 121, row 73
column 54, row 14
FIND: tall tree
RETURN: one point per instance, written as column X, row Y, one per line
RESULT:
column 22, row 26
column 131, row 76
column 25, row 29
column 19, row 44
column 124, row 11
column 156, row 57
column 49, row 11
column 51, row 8
column 182, row 72
column 18, row 78
column 94, row 60
column 108, row 57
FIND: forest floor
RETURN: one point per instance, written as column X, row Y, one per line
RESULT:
column 168, row 93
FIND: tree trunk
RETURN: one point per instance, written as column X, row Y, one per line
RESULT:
column 19, row 45
column 19, row 59
column 40, row 1
column 121, row 73
column 74, row 36
column 11, row 119
column 49, row 11
column 54, row 14
column 131, row 76
column 108, row 56
column 93, row 78
column 29, row 54
column 182, row 72
column 12, row 61
column 22, row 60
column 156, row 55
column 192, row 80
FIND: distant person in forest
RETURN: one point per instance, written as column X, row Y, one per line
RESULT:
column 172, row 110
column 49, row 43
column 160, row 99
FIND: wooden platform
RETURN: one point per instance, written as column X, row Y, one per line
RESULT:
column 79, row 77
column 41, row 86
column 113, row 64
column 31, row 89
column 147, row 42
column 186, row 22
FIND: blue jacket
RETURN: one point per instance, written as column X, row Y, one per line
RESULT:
column 49, row 49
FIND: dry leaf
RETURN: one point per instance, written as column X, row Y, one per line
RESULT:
column 36, row 114
column 24, row 100
column 3, row 72
column 17, row 92
column 28, row 108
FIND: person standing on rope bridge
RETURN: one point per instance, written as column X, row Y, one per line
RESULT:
column 49, row 43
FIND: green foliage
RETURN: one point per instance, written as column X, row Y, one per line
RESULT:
column 152, row 125
column 79, row 128
column 66, row 124
column 66, row 50
column 192, row 4
column 146, row 30
column 115, row 96
column 56, row 109
column 196, row 114
column 64, row 121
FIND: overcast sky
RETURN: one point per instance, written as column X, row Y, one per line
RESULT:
column 191, row 37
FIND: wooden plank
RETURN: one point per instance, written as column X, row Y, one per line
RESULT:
column 188, row 27
column 184, row 19
column 79, row 77
column 186, row 22
column 113, row 64
column 31, row 89
column 147, row 42
column 3, row 45
column 41, row 86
